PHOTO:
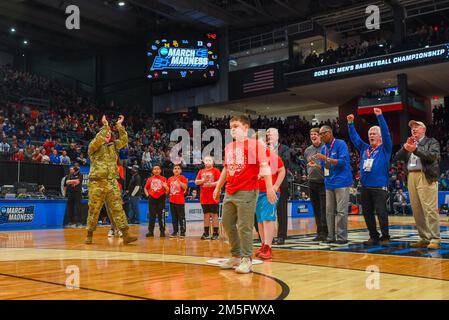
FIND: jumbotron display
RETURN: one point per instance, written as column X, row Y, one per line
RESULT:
column 184, row 58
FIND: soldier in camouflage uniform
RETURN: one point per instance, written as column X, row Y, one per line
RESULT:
column 103, row 175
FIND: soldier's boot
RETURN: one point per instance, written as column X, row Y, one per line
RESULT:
column 88, row 240
column 127, row 238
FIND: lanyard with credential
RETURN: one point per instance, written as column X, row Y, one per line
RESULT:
column 369, row 154
column 328, row 152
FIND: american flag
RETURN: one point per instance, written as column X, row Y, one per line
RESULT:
column 259, row 81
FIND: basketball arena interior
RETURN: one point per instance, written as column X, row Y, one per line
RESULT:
column 109, row 109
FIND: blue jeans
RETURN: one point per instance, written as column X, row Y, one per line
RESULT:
column 134, row 212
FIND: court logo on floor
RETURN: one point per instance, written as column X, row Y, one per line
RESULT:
column 401, row 238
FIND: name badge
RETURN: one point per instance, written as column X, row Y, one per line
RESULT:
column 326, row 172
column 367, row 165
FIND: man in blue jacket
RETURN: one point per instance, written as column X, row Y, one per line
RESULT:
column 335, row 163
column 374, row 166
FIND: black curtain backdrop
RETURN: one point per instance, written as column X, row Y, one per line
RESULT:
column 43, row 174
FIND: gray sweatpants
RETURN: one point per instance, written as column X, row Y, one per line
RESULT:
column 337, row 199
column 238, row 221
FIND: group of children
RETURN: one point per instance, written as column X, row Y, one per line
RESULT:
column 253, row 174
column 157, row 186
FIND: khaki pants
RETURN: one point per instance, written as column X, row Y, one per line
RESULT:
column 238, row 221
column 424, row 203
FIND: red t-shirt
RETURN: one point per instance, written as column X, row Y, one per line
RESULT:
column 206, row 193
column 121, row 172
column 47, row 146
column 242, row 161
column 155, row 187
column 18, row 157
column 275, row 164
column 176, row 191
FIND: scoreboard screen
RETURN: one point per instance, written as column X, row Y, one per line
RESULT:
column 184, row 58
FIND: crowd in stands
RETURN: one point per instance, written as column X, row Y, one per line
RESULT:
column 421, row 36
column 60, row 132
column 353, row 50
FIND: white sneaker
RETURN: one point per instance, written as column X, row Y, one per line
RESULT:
column 246, row 266
column 119, row 233
column 111, row 233
column 230, row 263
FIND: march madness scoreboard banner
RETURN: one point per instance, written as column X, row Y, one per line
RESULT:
column 184, row 58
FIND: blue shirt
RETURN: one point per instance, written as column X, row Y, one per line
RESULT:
column 123, row 153
column 55, row 159
column 340, row 175
column 378, row 176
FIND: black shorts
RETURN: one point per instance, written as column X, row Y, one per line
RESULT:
column 210, row 208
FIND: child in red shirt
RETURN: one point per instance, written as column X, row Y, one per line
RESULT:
column 207, row 180
column 245, row 159
column 266, row 211
column 155, row 190
column 177, row 185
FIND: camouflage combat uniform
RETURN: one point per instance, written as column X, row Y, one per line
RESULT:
column 103, row 186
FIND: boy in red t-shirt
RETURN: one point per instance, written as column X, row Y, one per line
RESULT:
column 245, row 159
column 266, row 211
column 207, row 180
column 155, row 190
column 177, row 185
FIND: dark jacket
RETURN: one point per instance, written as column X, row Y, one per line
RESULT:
column 135, row 181
column 284, row 153
column 428, row 150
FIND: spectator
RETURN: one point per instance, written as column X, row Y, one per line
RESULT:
column 82, row 160
column 54, row 157
column 18, row 156
column 123, row 154
column 399, row 202
column 146, row 160
column 45, row 159
column 4, row 146
column 334, row 158
column 304, row 196
column 64, row 158
column 422, row 155
column 37, row 156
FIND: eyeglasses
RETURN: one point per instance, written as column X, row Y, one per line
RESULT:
column 323, row 133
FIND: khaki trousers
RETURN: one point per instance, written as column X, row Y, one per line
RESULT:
column 424, row 203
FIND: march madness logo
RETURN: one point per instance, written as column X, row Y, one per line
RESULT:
column 16, row 214
column 180, row 58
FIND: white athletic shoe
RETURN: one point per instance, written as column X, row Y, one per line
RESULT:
column 230, row 263
column 246, row 266
column 111, row 233
column 119, row 233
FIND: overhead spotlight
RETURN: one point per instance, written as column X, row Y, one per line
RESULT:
column 311, row 44
column 25, row 41
column 12, row 30
column 121, row 3
column 426, row 46
column 23, row 54
column 381, row 45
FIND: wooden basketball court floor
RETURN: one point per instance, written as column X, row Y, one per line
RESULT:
column 36, row 264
